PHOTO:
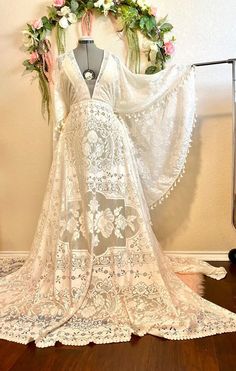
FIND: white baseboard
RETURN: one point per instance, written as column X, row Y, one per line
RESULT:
column 203, row 255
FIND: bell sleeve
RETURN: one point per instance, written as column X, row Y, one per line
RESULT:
column 159, row 112
column 60, row 100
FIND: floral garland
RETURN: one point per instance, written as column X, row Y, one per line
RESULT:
column 132, row 16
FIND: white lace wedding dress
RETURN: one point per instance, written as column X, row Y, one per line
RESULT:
column 95, row 271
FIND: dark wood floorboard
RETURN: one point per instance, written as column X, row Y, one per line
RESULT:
column 147, row 353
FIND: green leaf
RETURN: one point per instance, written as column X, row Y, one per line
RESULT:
column 89, row 4
column 44, row 19
column 32, row 48
column 25, row 63
column 147, row 24
column 162, row 20
column 166, row 27
column 151, row 70
column 52, row 12
column 159, row 56
column 29, row 66
column 46, row 23
column 74, row 5
column 80, row 13
column 150, row 23
column 142, row 22
column 160, row 43
column 42, row 34
column 48, row 26
column 128, row 14
column 31, row 29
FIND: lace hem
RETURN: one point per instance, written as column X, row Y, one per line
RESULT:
column 112, row 334
column 184, row 323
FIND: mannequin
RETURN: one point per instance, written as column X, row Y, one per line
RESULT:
column 88, row 56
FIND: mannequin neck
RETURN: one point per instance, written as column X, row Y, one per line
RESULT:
column 87, row 41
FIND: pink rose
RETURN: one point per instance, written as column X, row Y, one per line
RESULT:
column 33, row 57
column 58, row 3
column 154, row 11
column 37, row 23
column 169, row 48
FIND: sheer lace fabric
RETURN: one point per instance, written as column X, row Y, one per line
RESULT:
column 95, row 271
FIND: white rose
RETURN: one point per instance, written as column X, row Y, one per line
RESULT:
column 99, row 3
column 144, row 4
column 64, row 11
column 108, row 4
column 63, row 22
column 27, row 39
column 72, row 18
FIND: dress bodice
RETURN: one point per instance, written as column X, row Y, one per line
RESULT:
column 158, row 112
column 75, row 87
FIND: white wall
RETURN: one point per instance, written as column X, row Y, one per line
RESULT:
column 197, row 215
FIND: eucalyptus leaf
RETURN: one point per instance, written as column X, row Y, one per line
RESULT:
column 52, row 12
column 42, row 34
column 150, row 23
column 160, row 43
column 89, row 4
column 79, row 13
column 142, row 22
column 44, row 19
column 31, row 49
column 166, row 27
column 29, row 67
column 31, row 29
column 74, row 5
column 128, row 14
column 162, row 20
column 48, row 26
column 151, row 70
column 159, row 56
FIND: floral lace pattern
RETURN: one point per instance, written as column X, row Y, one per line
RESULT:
column 95, row 271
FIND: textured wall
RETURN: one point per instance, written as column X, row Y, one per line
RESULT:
column 197, row 215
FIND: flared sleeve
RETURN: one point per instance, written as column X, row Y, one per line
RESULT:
column 159, row 111
column 59, row 98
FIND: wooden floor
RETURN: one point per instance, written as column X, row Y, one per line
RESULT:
column 147, row 353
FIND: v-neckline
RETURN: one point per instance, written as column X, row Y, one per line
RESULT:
column 99, row 75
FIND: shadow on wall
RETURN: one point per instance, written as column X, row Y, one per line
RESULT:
column 174, row 213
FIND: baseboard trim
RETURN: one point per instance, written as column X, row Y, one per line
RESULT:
column 204, row 255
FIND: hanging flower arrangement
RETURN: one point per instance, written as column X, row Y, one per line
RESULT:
column 132, row 16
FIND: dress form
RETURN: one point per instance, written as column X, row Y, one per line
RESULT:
column 88, row 55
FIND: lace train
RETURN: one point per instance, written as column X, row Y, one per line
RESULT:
column 96, row 271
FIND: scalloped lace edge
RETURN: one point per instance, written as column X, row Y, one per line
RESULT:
column 183, row 167
column 116, row 339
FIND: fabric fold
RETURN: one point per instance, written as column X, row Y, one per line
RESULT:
column 160, row 113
